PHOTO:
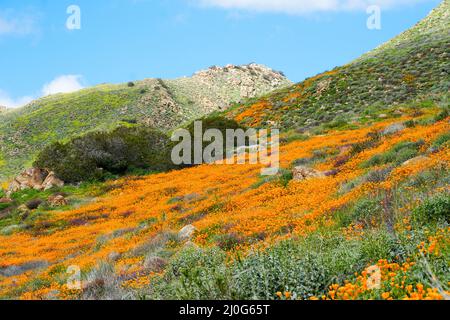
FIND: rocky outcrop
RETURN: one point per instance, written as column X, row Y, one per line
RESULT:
column 217, row 87
column 301, row 173
column 35, row 178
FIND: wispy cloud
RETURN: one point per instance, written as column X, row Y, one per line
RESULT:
column 9, row 102
column 302, row 6
column 61, row 84
column 18, row 23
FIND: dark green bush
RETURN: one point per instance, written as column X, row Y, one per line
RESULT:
column 98, row 155
column 211, row 122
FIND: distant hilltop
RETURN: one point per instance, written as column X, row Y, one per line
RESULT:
column 162, row 104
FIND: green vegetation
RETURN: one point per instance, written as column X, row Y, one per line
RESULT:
column 211, row 122
column 436, row 208
column 397, row 155
column 99, row 155
column 162, row 104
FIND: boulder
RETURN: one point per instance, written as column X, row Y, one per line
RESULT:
column 186, row 233
column 394, row 128
column 415, row 161
column 301, row 173
column 57, row 201
column 52, row 181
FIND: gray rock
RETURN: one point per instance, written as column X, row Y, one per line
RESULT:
column 186, row 233
column 415, row 160
column 394, row 128
column 303, row 173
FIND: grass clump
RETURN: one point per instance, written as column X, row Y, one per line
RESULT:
column 400, row 153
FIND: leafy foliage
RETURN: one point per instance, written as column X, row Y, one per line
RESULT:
column 99, row 154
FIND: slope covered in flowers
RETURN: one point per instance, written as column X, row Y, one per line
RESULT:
column 413, row 66
column 238, row 212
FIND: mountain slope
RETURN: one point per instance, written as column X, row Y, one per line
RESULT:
column 163, row 104
column 414, row 66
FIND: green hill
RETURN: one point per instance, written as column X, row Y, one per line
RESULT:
column 163, row 104
column 411, row 69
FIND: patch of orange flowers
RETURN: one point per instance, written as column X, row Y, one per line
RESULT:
column 216, row 199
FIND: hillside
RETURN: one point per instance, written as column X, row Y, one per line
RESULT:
column 142, row 238
column 163, row 104
column 413, row 68
column 360, row 209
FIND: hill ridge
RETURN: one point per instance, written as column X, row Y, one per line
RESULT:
column 163, row 104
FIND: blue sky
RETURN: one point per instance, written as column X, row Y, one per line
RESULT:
column 122, row 40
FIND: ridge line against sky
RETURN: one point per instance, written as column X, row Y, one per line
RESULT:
column 123, row 40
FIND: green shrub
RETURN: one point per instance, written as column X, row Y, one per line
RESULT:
column 283, row 178
column 195, row 274
column 211, row 122
column 98, row 155
column 443, row 114
column 373, row 139
column 366, row 211
column 378, row 244
column 436, row 208
column 442, row 141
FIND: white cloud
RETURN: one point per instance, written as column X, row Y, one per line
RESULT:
column 13, row 23
column 7, row 101
column 63, row 84
column 302, row 6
